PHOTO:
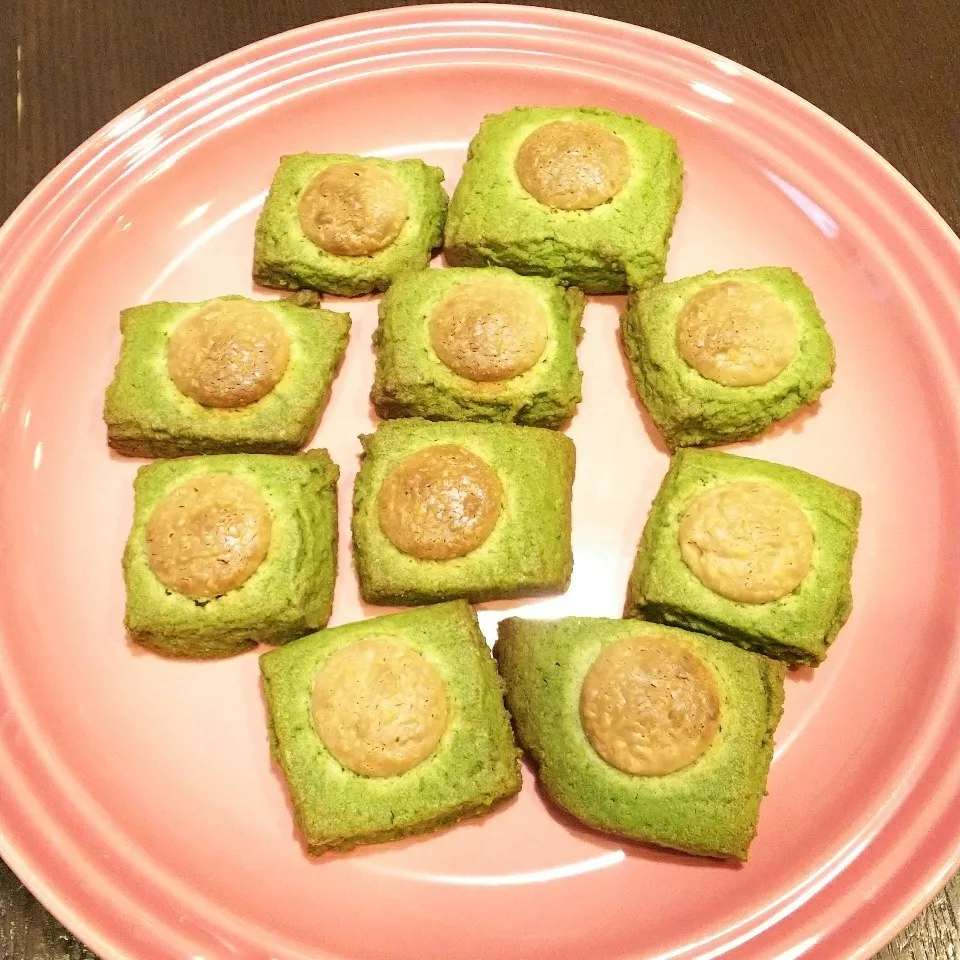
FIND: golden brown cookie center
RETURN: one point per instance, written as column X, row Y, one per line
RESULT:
column 747, row 541
column 439, row 503
column 649, row 706
column 353, row 209
column 573, row 164
column 737, row 334
column 489, row 331
column 230, row 353
column 208, row 536
column 379, row 707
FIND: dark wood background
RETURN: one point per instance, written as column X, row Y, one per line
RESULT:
column 887, row 69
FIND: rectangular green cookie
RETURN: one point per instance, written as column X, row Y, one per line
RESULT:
column 709, row 807
column 693, row 410
column 147, row 416
column 493, row 220
column 284, row 257
column 412, row 381
column 474, row 767
column 528, row 551
column 288, row 595
column 797, row 628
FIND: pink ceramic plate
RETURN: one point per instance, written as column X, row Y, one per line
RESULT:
column 138, row 800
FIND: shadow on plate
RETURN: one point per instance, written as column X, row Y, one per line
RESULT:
column 650, row 428
column 801, row 674
column 794, row 423
column 518, row 603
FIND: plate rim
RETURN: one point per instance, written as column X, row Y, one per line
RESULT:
column 135, row 121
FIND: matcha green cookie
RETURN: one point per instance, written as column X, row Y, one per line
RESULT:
column 446, row 510
column 227, row 375
column 390, row 727
column 575, row 193
column 645, row 731
column 230, row 551
column 483, row 345
column 721, row 356
column 345, row 224
column 748, row 551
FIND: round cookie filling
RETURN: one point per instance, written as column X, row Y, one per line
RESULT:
column 439, row 503
column 573, row 164
column 747, row 541
column 489, row 331
column 229, row 354
column 737, row 334
column 379, row 707
column 649, row 706
column 353, row 209
column 208, row 536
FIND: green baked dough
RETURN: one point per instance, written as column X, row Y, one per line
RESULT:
column 291, row 592
column 284, row 257
column 692, row 410
column 797, row 628
column 412, row 381
column 527, row 553
column 147, row 416
column 473, row 768
column 494, row 221
column 709, row 807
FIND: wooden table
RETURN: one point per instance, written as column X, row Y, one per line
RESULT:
column 887, row 69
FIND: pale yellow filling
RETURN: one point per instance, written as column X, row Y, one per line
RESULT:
column 737, row 334
column 649, row 706
column 439, row 503
column 747, row 541
column 489, row 331
column 353, row 209
column 208, row 536
column 230, row 354
column 379, row 707
column 573, row 164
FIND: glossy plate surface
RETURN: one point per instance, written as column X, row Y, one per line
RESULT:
column 138, row 798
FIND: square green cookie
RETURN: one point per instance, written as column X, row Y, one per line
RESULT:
column 810, row 535
column 289, row 593
column 694, row 409
column 412, row 380
column 473, row 767
column 709, row 806
column 527, row 551
column 494, row 220
column 284, row 257
column 148, row 416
